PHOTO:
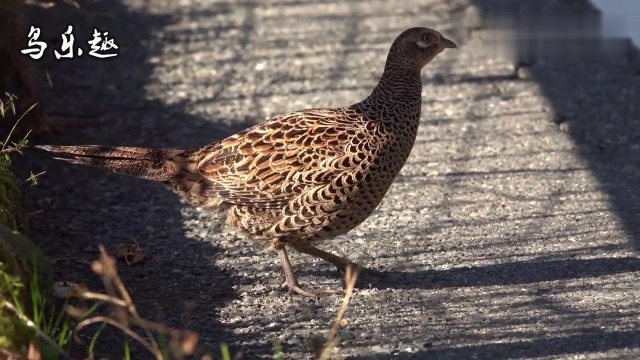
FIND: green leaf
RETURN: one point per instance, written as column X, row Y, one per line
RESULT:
column 224, row 350
column 95, row 337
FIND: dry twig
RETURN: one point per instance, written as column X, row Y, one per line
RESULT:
column 125, row 314
column 332, row 339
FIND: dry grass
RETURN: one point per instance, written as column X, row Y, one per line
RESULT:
column 332, row 338
column 177, row 343
column 124, row 316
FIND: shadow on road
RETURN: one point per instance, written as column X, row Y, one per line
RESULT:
column 594, row 341
column 82, row 207
column 508, row 273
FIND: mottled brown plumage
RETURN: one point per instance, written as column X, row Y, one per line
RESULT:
column 301, row 177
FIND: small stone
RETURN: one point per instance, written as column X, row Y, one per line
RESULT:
column 524, row 73
column 380, row 349
column 273, row 325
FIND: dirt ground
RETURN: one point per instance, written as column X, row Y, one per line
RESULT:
column 512, row 232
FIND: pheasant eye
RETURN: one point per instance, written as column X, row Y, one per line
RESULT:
column 423, row 43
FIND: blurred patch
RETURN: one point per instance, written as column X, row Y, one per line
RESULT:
column 549, row 31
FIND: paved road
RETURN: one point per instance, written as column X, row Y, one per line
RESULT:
column 507, row 235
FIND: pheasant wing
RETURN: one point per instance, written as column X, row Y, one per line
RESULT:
column 272, row 163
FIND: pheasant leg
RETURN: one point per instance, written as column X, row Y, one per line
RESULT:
column 341, row 263
column 291, row 282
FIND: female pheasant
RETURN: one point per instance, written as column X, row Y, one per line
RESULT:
column 301, row 177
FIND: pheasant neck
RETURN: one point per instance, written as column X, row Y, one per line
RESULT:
column 398, row 84
column 399, row 91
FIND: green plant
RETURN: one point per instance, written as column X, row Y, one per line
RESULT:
column 224, row 351
column 277, row 349
column 7, row 146
column 28, row 316
column 46, row 325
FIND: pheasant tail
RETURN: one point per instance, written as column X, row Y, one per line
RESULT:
column 148, row 163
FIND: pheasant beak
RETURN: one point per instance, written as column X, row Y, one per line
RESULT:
column 448, row 44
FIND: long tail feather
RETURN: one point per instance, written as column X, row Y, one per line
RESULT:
column 148, row 163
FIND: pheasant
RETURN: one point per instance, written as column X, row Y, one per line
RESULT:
column 301, row 177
